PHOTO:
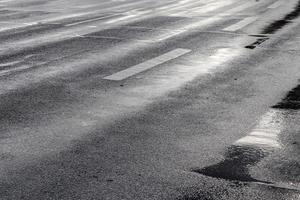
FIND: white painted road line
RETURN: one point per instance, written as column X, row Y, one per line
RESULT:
column 198, row 10
column 147, row 65
column 10, row 63
column 266, row 134
column 187, row 28
column 210, row 7
column 206, row 21
column 276, row 4
column 9, row 71
column 238, row 8
column 49, row 20
column 91, row 20
column 126, row 17
column 241, row 24
column 71, row 15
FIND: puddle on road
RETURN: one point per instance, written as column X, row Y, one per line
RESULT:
column 260, row 142
column 248, row 151
column 235, row 166
column 275, row 26
column 291, row 101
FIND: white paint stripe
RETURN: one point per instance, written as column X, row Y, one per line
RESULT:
column 265, row 131
column 198, row 10
column 51, row 20
column 91, row 20
column 211, row 7
column 69, row 16
column 276, row 4
column 178, row 6
column 120, row 19
column 87, row 6
column 14, row 27
column 127, row 17
column 258, row 141
column 269, row 131
column 71, row 33
column 204, row 22
column 265, row 135
column 241, row 24
column 215, row 6
column 21, row 68
column 240, row 8
column 10, row 63
column 187, row 28
column 147, row 65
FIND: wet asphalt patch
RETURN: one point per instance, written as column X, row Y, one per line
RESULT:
column 291, row 101
column 235, row 166
column 275, row 26
column 239, row 159
column 279, row 24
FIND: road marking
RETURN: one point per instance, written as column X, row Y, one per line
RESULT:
column 120, row 19
column 210, row 7
column 177, row 6
column 238, row 8
column 10, row 63
column 265, row 135
column 205, row 21
column 147, row 65
column 71, row 33
column 241, row 24
column 189, row 27
column 91, row 20
column 87, row 6
column 202, row 9
column 50, row 20
column 133, row 15
column 18, row 69
column 276, row 4
column 69, row 16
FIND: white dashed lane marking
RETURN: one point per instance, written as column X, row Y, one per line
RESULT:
column 147, row 65
column 240, row 8
column 241, row 24
column 92, row 20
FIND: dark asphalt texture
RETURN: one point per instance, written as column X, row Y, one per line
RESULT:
column 219, row 122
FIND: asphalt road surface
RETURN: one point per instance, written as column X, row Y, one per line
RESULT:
column 146, row 99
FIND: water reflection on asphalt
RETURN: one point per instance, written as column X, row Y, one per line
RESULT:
column 261, row 142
